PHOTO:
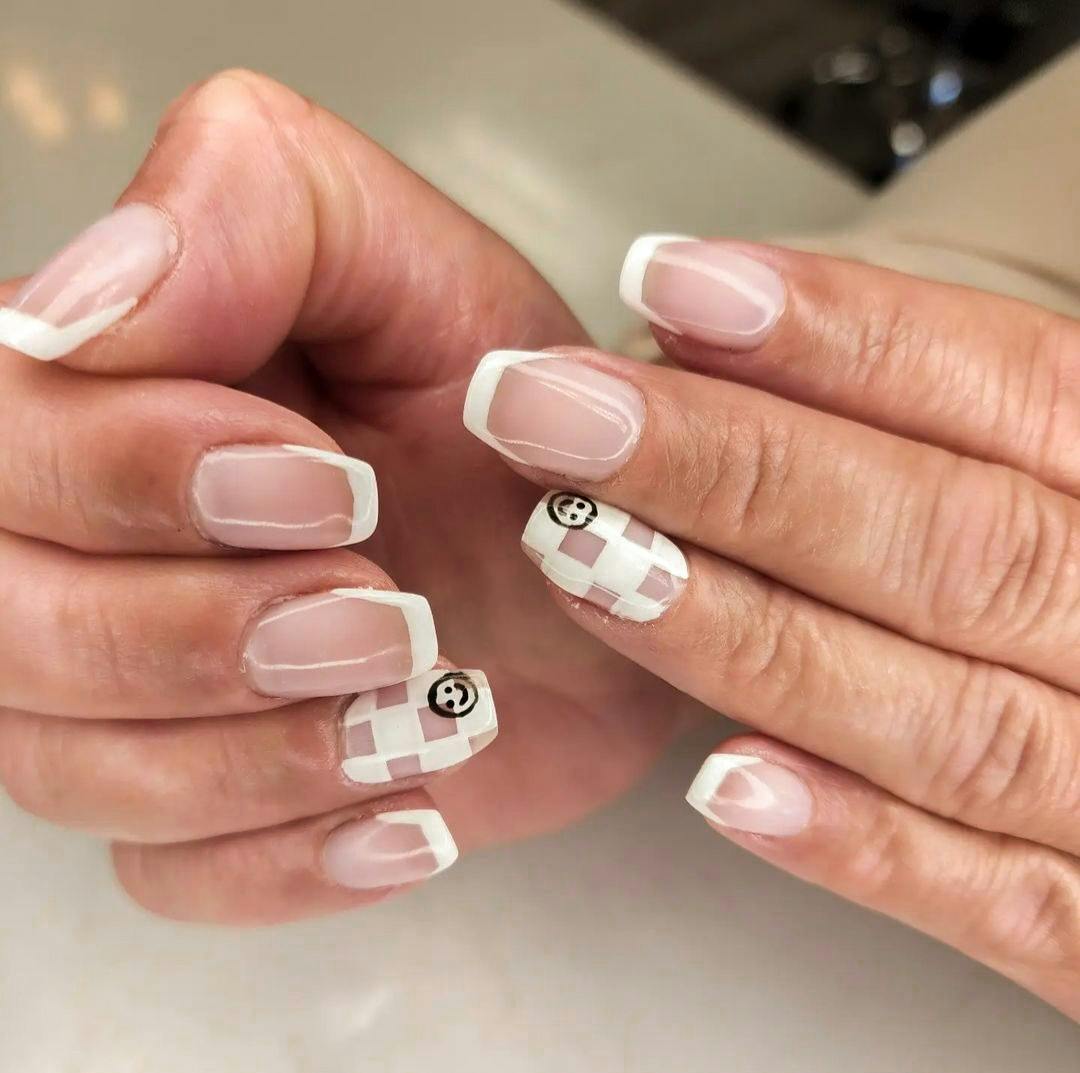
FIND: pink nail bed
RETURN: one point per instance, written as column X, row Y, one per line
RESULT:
column 707, row 291
column 554, row 413
column 752, row 795
column 340, row 642
column 284, row 498
column 389, row 849
column 91, row 284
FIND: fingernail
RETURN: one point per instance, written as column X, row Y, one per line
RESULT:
column 749, row 794
column 704, row 290
column 604, row 555
column 344, row 641
column 557, row 414
column 389, row 850
column 410, row 728
column 284, row 498
column 91, row 284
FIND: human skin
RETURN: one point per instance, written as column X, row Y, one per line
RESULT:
column 870, row 481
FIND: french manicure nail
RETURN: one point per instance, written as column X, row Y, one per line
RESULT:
column 284, row 498
column 339, row 642
column 91, row 284
column 705, row 290
column 426, row 724
column 554, row 413
column 389, row 849
column 749, row 794
column 604, row 555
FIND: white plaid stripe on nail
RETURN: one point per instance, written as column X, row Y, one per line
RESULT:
column 604, row 555
column 393, row 733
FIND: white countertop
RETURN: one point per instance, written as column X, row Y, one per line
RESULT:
column 636, row 943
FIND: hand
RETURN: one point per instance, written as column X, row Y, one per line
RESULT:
column 874, row 481
column 292, row 284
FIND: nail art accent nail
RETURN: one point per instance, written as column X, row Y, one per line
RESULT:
column 604, row 555
column 425, row 724
column 91, row 284
column 389, row 849
column 339, row 642
column 560, row 415
column 284, row 498
column 708, row 291
column 752, row 795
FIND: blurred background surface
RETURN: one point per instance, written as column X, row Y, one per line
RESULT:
column 871, row 83
column 637, row 943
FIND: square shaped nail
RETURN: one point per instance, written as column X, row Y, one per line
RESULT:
column 283, row 497
column 422, row 725
column 554, row 413
column 340, row 642
column 604, row 555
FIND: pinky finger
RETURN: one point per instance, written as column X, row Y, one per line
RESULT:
column 1010, row 904
column 336, row 861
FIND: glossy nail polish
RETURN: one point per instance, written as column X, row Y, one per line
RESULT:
column 423, row 725
column 340, row 642
column 90, row 285
column 389, row 849
column 554, row 413
column 604, row 555
column 707, row 291
column 753, row 795
column 284, row 498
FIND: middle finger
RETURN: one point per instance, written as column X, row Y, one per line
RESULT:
column 115, row 638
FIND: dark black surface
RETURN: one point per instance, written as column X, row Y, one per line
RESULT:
column 872, row 83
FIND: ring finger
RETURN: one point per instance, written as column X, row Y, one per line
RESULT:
column 181, row 780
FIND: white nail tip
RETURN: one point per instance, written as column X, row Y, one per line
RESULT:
column 362, row 483
column 432, row 722
column 431, row 823
column 418, row 619
column 38, row 339
column 632, row 277
column 711, row 776
column 481, row 393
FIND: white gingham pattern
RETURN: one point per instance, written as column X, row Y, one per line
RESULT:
column 621, row 566
column 384, row 733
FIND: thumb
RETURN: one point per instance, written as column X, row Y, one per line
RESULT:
column 258, row 220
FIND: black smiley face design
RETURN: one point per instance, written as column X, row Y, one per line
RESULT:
column 571, row 511
column 453, row 695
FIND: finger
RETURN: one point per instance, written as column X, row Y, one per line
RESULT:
column 258, row 217
column 960, row 554
column 186, row 779
column 965, row 739
column 1004, row 902
column 152, row 638
column 979, row 374
column 326, row 864
column 173, row 467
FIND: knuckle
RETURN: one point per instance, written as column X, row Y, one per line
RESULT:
column 880, row 854
column 1002, row 756
column 86, row 616
column 765, row 646
column 33, row 758
column 737, row 475
column 1033, row 918
column 998, row 558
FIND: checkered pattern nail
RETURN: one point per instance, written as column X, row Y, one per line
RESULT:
column 425, row 724
column 605, row 556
